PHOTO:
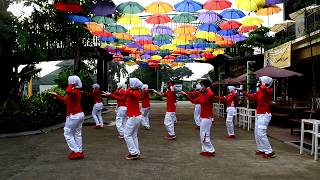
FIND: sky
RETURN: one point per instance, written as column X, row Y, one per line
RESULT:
column 199, row 69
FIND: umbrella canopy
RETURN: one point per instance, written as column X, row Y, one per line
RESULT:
column 180, row 42
column 230, row 25
column 130, row 7
column 156, row 57
column 188, row 6
column 216, row 4
column 281, row 26
column 110, row 39
column 116, row 29
column 102, row 33
column 159, row 7
column 129, row 19
column 209, row 27
column 209, row 17
column 158, row 19
column 143, row 37
column 170, row 47
column 273, row 2
column 225, row 43
column 139, row 31
column 124, row 36
column 150, row 47
column 185, row 29
column 161, row 42
column 93, row 27
column 103, row 8
column 245, row 29
column 103, row 20
column 250, row 5
column 227, row 32
column 162, row 37
column 184, row 18
column 162, row 30
column 142, row 42
column 268, row 10
column 68, row 7
column 232, row 14
column 236, row 38
column 186, row 37
column 79, row 19
column 251, row 21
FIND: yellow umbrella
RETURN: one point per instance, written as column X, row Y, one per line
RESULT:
column 208, row 50
column 205, row 34
column 140, row 31
column 156, row 57
column 130, row 63
column 215, row 38
column 159, row 8
column 103, row 45
column 186, row 37
column 94, row 27
column 124, row 36
column 269, row 10
column 219, row 51
column 116, row 45
column 251, row 21
column 180, row 42
column 185, row 29
column 250, row 5
column 150, row 47
column 169, row 47
column 129, row 19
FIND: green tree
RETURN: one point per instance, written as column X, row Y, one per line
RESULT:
column 259, row 38
column 180, row 73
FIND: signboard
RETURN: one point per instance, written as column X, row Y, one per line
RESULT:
column 279, row 56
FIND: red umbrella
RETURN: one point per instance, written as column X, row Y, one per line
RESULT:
column 158, row 19
column 142, row 42
column 170, row 57
column 208, row 55
column 216, row 5
column 102, row 33
column 245, row 29
column 231, row 24
column 68, row 7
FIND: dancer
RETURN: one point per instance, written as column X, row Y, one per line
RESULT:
column 121, row 110
column 98, row 106
column 231, row 100
column 145, row 109
column 75, row 117
column 196, row 93
column 170, row 116
column 206, row 102
column 263, row 97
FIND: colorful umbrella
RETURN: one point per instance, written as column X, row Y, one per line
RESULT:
column 205, row 34
column 216, row 4
column 170, row 47
column 124, row 36
column 250, row 5
column 129, row 19
column 185, row 29
column 184, row 18
column 164, row 52
column 230, row 25
column 93, row 27
column 251, row 21
column 78, row 19
column 162, row 37
column 150, row 47
column 232, row 14
column 273, row 2
column 209, row 17
column 180, row 42
column 142, row 42
column 236, row 38
column 208, row 55
column 139, row 31
column 102, row 33
column 143, row 37
column 116, row 29
column 161, row 42
column 68, row 7
column 158, row 19
column 245, row 29
column 227, row 32
column 130, row 7
column 156, row 57
column 188, row 6
column 186, row 37
column 103, row 8
column 162, row 30
column 209, row 27
column 268, row 10
column 103, row 20
column 159, row 8
column 146, row 56
column 134, row 45
column 225, row 43
column 109, row 39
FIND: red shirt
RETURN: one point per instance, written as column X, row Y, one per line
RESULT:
column 96, row 95
column 230, row 98
column 72, row 100
column 194, row 93
column 206, row 103
column 145, row 99
column 171, row 101
column 133, row 97
column 120, row 97
column 263, row 98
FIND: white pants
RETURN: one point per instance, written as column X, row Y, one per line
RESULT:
column 131, row 134
column 72, row 131
column 96, row 114
column 169, row 120
column 205, row 129
column 260, row 132
column 121, row 119
column 145, row 117
column 231, row 113
column 197, row 110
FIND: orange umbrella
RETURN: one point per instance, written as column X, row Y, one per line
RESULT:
column 185, row 29
column 186, row 37
column 225, row 43
column 268, row 10
column 93, row 27
column 150, row 47
column 245, row 29
column 158, row 19
column 124, row 36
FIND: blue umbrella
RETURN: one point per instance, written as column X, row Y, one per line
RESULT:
column 134, row 45
column 79, row 19
column 273, row 2
column 209, row 27
column 146, row 56
column 187, row 46
column 232, row 14
column 188, row 6
column 143, row 38
column 182, row 58
column 161, row 42
column 110, row 39
column 143, row 64
column 104, row 8
column 229, row 32
column 236, row 38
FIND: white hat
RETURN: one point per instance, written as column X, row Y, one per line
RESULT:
column 121, row 85
column 75, row 80
column 145, row 87
column 135, row 83
column 96, row 86
column 265, row 80
column 198, row 87
column 231, row 88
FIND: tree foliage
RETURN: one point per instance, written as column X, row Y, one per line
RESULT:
column 259, row 38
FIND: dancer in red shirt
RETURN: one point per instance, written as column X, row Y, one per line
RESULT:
column 197, row 108
column 145, row 109
column 75, row 117
column 263, row 97
column 98, row 106
column 231, row 100
column 170, row 117
column 206, row 102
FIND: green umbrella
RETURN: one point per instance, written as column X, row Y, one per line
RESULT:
column 200, row 41
column 164, row 52
column 184, row 18
column 116, row 29
column 130, row 7
column 163, row 37
column 103, row 20
column 123, row 41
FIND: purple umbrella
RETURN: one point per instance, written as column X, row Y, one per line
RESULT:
column 146, row 56
column 150, row 52
column 209, row 17
column 227, row 32
column 134, row 45
column 236, row 38
column 104, row 8
column 195, row 56
column 162, row 30
column 143, row 38
column 273, row 2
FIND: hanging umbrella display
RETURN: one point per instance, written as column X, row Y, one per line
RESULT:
column 184, row 18
column 103, row 8
column 216, row 4
column 78, row 19
column 139, row 31
column 109, row 39
column 93, row 27
column 209, row 17
column 268, row 10
column 102, row 33
column 124, row 36
column 146, row 56
column 205, row 34
column 245, row 29
column 232, row 14
column 225, row 43
column 142, row 42
column 159, row 8
column 164, row 52
column 273, row 2
column 116, row 29
column 236, row 38
column 182, row 58
column 209, row 27
column 229, row 25
column 185, row 29
column 150, row 47
column 188, row 6
column 161, row 42
column 68, row 7
column 163, row 37
column 251, row 21
column 134, row 45
column 156, row 57
column 129, row 19
column 189, row 37
column 158, row 19
column 180, row 42
column 130, row 7
column 208, row 55
column 227, row 32
column 250, row 5
column 170, row 47
column 103, row 20
column 162, row 30
column 143, row 37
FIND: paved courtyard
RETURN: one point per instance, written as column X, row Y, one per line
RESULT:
column 45, row 156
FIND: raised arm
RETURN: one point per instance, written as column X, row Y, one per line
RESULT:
column 251, row 96
column 158, row 93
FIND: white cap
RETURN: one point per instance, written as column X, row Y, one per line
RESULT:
column 135, row 83
column 121, row 85
column 265, row 80
column 231, row 88
column 198, row 87
column 75, row 80
column 145, row 87
column 96, row 86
